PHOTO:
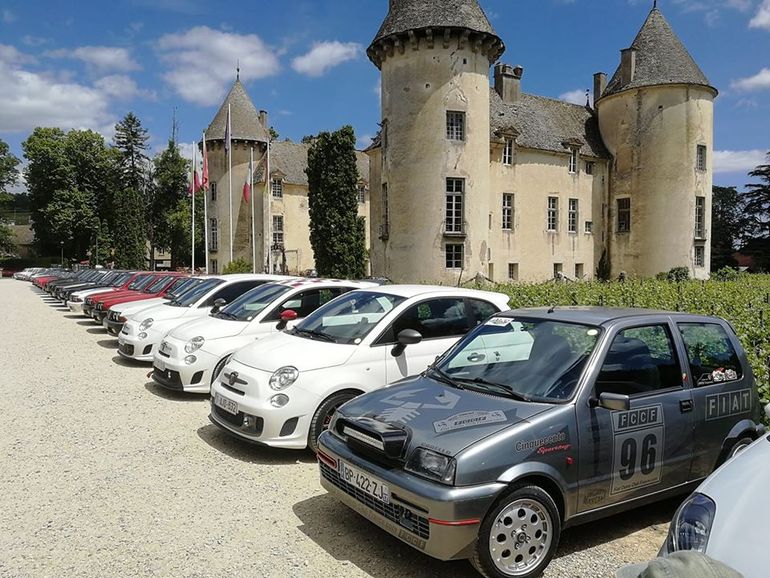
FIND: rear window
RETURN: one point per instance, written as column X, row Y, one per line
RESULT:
column 711, row 354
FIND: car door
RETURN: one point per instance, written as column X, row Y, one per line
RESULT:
column 627, row 454
column 722, row 389
column 302, row 303
column 441, row 321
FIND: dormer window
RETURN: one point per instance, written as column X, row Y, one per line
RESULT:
column 276, row 188
column 573, row 161
column 508, row 152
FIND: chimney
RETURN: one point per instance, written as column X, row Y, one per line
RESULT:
column 627, row 65
column 263, row 118
column 508, row 82
column 600, row 83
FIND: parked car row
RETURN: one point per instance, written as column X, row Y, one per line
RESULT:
column 465, row 430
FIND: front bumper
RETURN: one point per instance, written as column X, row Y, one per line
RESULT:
column 131, row 347
column 441, row 521
column 113, row 327
column 75, row 307
column 174, row 373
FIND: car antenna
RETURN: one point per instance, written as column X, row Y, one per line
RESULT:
column 552, row 309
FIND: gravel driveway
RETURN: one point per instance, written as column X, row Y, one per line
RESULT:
column 104, row 474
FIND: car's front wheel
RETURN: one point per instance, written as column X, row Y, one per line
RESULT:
column 323, row 416
column 218, row 369
column 519, row 536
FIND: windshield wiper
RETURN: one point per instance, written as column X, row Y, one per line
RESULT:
column 227, row 315
column 501, row 387
column 443, row 377
column 317, row 334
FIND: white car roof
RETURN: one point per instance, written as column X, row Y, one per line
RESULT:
column 303, row 283
column 250, row 276
column 409, row 291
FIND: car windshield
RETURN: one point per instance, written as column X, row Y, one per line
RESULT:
column 158, row 285
column 141, row 282
column 122, row 278
column 349, row 318
column 248, row 305
column 179, row 286
column 531, row 359
column 189, row 298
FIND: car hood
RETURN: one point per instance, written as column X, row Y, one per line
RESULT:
column 434, row 415
column 162, row 312
column 281, row 349
column 131, row 307
column 209, row 327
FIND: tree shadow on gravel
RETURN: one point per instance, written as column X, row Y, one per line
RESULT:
column 108, row 343
column 171, row 395
column 346, row 535
column 122, row 361
column 251, row 453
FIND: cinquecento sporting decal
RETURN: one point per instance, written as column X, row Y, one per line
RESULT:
column 638, row 443
column 468, row 419
column 557, row 438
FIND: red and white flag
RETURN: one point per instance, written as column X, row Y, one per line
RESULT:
column 205, row 176
column 247, row 184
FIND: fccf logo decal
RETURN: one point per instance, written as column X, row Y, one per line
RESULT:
column 638, row 443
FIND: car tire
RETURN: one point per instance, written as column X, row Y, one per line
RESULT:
column 519, row 535
column 738, row 447
column 323, row 415
column 218, row 368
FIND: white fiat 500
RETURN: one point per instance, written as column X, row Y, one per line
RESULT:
column 282, row 390
column 140, row 336
column 191, row 356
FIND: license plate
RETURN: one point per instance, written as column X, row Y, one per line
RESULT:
column 226, row 404
column 160, row 365
column 363, row 482
column 121, row 341
column 165, row 348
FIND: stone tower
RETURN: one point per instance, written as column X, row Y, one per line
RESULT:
column 430, row 188
column 248, row 131
column 656, row 119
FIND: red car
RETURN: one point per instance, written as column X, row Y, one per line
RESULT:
column 157, row 286
column 136, row 282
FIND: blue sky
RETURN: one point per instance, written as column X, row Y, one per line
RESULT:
column 85, row 64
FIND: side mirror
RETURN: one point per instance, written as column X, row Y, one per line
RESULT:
column 405, row 337
column 218, row 304
column 286, row 316
column 613, row 401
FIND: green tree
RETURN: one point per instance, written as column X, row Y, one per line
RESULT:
column 131, row 140
column 179, row 231
column 337, row 233
column 9, row 172
column 169, row 187
column 7, row 240
column 728, row 226
column 757, row 197
column 72, row 219
column 128, row 234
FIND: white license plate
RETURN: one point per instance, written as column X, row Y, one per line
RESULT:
column 165, row 348
column 121, row 341
column 226, row 404
column 363, row 482
column 160, row 365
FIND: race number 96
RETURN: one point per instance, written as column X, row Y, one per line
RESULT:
column 637, row 448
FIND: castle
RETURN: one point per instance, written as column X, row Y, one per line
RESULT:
column 466, row 178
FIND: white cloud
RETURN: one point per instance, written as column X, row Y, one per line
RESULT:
column 575, row 96
column 710, row 9
column 122, row 87
column 760, row 81
column 364, row 141
column 30, row 40
column 12, row 56
column 202, row 62
column 8, row 16
column 762, row 17
column 324, row 56
column 738, row 161
column 101, row 58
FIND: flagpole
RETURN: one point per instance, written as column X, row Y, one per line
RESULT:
column 205, row 204
column 230, row 174
column 192, row 231
column 269, row 236
column 253, row 219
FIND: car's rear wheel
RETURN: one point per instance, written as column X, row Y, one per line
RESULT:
column 739, row 446
column 519, row 536
column 323, row 416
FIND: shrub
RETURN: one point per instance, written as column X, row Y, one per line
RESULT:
column 726, row 274
column 238, row 266
column 678, row 274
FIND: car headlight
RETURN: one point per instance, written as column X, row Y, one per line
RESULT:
column 146, row 324
column 194, row 344
column 691, row 526
column 283, row 378
column 433, row 465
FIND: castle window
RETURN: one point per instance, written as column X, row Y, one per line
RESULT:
column 579, row 270
column 553, row 214
column 701, row 158
column 700, row 256
column 277, row 188
column 213, row 191
column 700, row 217
column 507, row 212
column 361, row 194
column 214, row 267
column 558, row 270
column 589, row 227
column 385, row 226
column 624, row 215
column 454, row 256
column 455, row 125
column 508, row 152
column 455, row 189
column 572, row 216
column 513, row 271
column 278, row 231
column 573, row 161
column 214, row 228
column 589, row 168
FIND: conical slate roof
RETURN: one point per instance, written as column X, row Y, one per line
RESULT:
column 406, row 15
column 244, row 118
column 661, row 58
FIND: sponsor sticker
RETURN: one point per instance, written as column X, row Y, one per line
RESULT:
column 468, row 419
column 638, row 444
column 721, row 405
column 557, row 438
column 499, row 321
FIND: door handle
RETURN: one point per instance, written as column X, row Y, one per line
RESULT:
column 685, row 405
column 474, row 357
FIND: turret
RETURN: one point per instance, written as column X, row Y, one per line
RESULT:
column 656, row 119
column 430, row 204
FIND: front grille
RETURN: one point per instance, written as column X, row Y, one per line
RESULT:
column 402, row 516
column 168, row 378
column 126, row 348
column 163, row 354
column 236, row 420
column 255, row 428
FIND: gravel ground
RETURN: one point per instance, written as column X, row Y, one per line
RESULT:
column 102, row 473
